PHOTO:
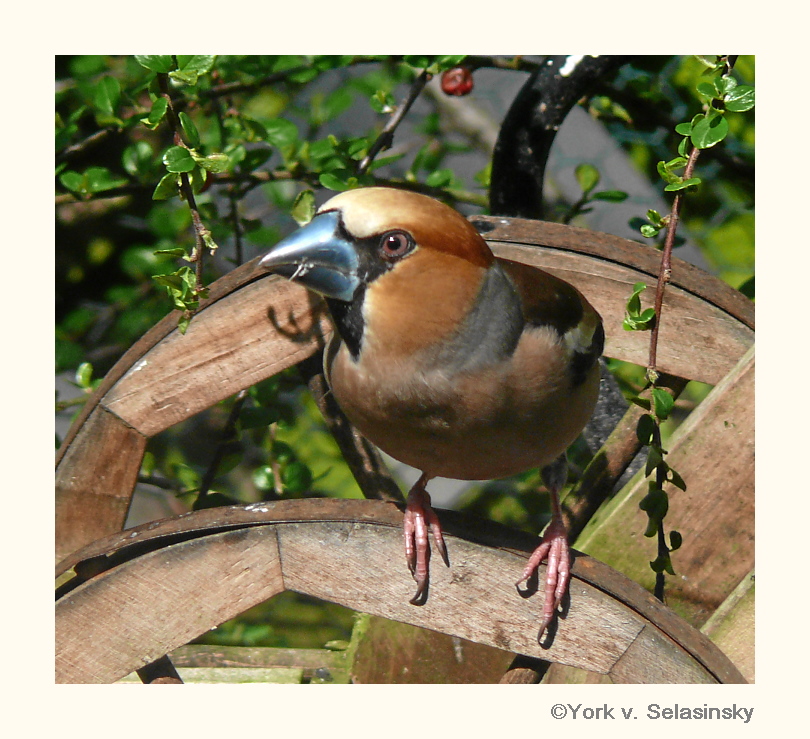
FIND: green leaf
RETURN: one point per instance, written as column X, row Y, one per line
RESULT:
column 178, row 252
column 447, row 62
column 137, row 159
column 663, row 403
column 100, row 179
column 214, row 162
column 179, row 159
column 156, row 62
column 296, row 477
column 263, row 478
column 303, row 208
column 587, row 176
column 382, row 102
column 655, row 504
column 168, row 187
column 685, row 129
column 645, row 430
column 280, row 132
column 73, row 181
column 440, row 178
column 655, row 458
column 611, row 196
column 189, row 129
column 709, row 131
column 740, row 99
column 282, row 452
column 683, row 184
column 192, row 67
column 675, row 541
column 159, row 108
column 332, row 180
column 649, row 231
column 676, row 479
column 107, row 95
column 84, row 375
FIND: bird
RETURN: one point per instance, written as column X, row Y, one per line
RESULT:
column 449, row 359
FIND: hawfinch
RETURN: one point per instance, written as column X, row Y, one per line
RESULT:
column 450, row 360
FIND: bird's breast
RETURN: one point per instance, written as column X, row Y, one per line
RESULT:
column 488, row 422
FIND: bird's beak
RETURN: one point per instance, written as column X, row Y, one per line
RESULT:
column 318, row 257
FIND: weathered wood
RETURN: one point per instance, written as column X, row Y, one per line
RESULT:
column 243, row 338
column 129, row 616
column 731, row 627
column 713, row 450
column 390, row 652
column 161, row 591
column 95, row 480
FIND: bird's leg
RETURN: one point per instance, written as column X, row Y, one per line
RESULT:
column 419, row 516
column 554, row 546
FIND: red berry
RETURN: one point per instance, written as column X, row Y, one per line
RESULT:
column 457, row 81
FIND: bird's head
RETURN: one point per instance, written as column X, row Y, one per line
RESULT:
column 393, row 265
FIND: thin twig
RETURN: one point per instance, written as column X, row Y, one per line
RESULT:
column 82, row 146
column 386, row 136
column 200, row 231
column 665, row 272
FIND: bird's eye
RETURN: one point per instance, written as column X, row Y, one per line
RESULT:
column 395, row 244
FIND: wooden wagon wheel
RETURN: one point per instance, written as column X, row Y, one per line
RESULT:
column 252, row 327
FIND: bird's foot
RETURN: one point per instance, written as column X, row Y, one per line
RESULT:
column 554, row 546
column 419, row 517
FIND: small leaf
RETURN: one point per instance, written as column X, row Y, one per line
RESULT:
column 587, row 176
column 611, row 196
column 296, row 477
column 168, row 187
column 73, row 181
column 137, row 159
column 263, row 478
column 280, row 132
column 654, row 460
column 709, row 131
column 675, row 541
column 179, row 159
column 107, row 95
column 676, row 479
column 440, row 178
column 100, row 179
column 156, row 62
column 649, row 231
column 189, row 129
column 663, row 403
column 645, row 430
column 214, row 162
column 84, row 375
column 332, row 181
column 178, row 252
column 684, row 129
column 303, row 208
column 683, row 184
column 740, row 99
column 159, row 108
